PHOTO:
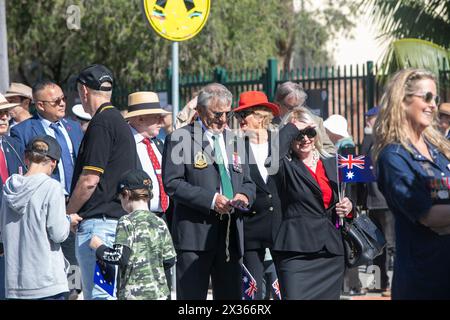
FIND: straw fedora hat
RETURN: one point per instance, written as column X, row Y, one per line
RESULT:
column 19, row 89
column 445, row 108
column 251, row 99
column 142, row 103
column 4, row 104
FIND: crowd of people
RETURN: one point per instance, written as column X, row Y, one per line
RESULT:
column 125, row 193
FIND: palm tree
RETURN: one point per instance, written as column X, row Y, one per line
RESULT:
column 419, row 32
column 421, row 19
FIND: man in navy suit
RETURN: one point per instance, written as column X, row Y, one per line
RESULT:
column 50, row 104
column 10, row 162
column 205, row 179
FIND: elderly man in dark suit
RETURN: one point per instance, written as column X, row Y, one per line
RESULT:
column 49, row 120
column 208, row 183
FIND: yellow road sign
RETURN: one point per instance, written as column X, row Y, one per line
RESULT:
column 177, row 20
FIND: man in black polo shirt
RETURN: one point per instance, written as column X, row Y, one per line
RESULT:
column 107, row 150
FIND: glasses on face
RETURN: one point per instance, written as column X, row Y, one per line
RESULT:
column 15, row 99
column 4, row 113
column 55, row 102
column 241, row 115
column 428, row 97
column 308, row 132
column 218, row 115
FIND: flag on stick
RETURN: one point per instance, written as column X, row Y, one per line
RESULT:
column 249, row 287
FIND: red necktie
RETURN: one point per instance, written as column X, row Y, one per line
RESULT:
column 3, row 168
column 157, row 167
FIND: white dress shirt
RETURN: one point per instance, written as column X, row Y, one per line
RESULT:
column 147, row 166
column 209, row 135
column 46, row 124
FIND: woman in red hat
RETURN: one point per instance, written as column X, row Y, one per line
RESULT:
column 254, row 114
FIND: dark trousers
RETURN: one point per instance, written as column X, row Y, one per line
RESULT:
column 270, row 275
column 384, row 220
column 68, row 249
column 195, row 268
column 309, row 276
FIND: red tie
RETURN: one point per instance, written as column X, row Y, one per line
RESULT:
column 157, row 167
column 3, row 168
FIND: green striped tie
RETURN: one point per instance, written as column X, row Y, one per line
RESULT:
column 227, row 188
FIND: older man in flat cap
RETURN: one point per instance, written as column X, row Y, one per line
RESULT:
column 22, row 95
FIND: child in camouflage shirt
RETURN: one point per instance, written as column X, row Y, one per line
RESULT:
column 143, row 248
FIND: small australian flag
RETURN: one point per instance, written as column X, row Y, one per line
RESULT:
column 249, row 287
column 105, row 278
column 355, row 168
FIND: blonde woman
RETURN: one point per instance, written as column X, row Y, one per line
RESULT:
column 413, row 169
column 308, row 249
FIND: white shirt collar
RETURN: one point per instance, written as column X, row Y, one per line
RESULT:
column 46, row 122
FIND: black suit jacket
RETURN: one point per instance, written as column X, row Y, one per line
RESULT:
column 262, row 221
column 195, row 226
column 306, row 225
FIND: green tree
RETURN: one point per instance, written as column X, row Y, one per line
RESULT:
column 303, row 41
column 418, row 30
column 238, row 35
column 112, row 32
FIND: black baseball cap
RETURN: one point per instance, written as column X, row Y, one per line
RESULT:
column 134, row 179
column 94, row 76
column 51, row 149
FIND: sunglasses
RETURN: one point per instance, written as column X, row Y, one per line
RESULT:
column 428, row 97
column 243, row 114
column 308, row 132
column 56, row 102
column 218, row 115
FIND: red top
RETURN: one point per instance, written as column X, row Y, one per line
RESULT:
column 324, row 183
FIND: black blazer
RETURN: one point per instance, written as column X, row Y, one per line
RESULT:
column 306, row 225
column 195, row 226
column 262, row 221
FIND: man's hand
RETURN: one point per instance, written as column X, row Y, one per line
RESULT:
column 95, row 242
column 239, row 201
column 222, row 204
column 74, row 221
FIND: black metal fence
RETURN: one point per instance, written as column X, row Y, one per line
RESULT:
column 348, row 90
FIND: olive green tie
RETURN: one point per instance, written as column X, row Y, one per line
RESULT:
column 227, row 189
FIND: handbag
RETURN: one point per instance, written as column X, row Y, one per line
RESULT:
column 363, row 241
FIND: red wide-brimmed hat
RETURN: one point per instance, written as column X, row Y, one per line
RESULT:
column 250, row 99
